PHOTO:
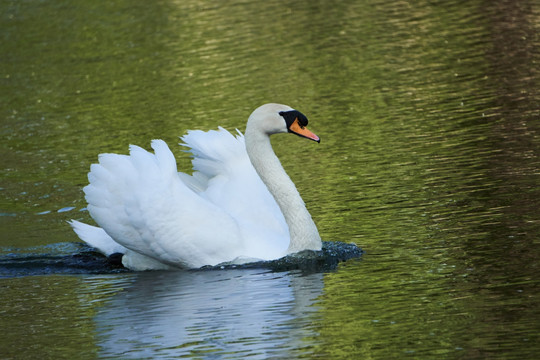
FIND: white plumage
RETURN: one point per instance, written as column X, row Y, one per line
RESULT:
column 160, row 218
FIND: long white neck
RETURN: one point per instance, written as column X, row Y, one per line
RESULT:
column 302, row 229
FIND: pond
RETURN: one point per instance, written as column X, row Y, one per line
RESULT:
column 429, row 160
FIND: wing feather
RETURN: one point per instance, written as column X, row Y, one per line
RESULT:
column 222, row 212
column 141, row 202
column 232, row 183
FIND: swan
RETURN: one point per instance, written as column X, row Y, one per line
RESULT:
column 239, row 205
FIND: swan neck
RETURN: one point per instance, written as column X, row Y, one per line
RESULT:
column 302, row 229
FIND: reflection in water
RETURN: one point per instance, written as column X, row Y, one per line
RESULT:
column 228, row 314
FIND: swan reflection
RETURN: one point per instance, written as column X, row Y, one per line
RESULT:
column 234, row 313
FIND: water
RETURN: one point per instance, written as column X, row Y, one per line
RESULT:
column 429, row 160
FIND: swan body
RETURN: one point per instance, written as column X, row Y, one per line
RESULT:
column 239, row 205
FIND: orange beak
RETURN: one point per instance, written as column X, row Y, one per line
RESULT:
column 303, row 131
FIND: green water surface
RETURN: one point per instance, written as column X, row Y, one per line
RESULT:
column 428, row 113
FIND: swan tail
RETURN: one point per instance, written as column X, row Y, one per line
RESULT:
column 97, row 238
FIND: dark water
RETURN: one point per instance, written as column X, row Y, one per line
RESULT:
column 428, row 113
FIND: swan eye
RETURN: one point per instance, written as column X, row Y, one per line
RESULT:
column 302, row 120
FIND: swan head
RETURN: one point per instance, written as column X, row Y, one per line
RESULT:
column 276, row 118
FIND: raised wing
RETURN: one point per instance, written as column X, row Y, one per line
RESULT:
column 141, row 202
column 225, row 176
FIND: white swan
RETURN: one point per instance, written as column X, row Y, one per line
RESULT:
column 239, row 205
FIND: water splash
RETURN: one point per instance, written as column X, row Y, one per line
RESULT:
column 60, row 258
column 79, row 258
